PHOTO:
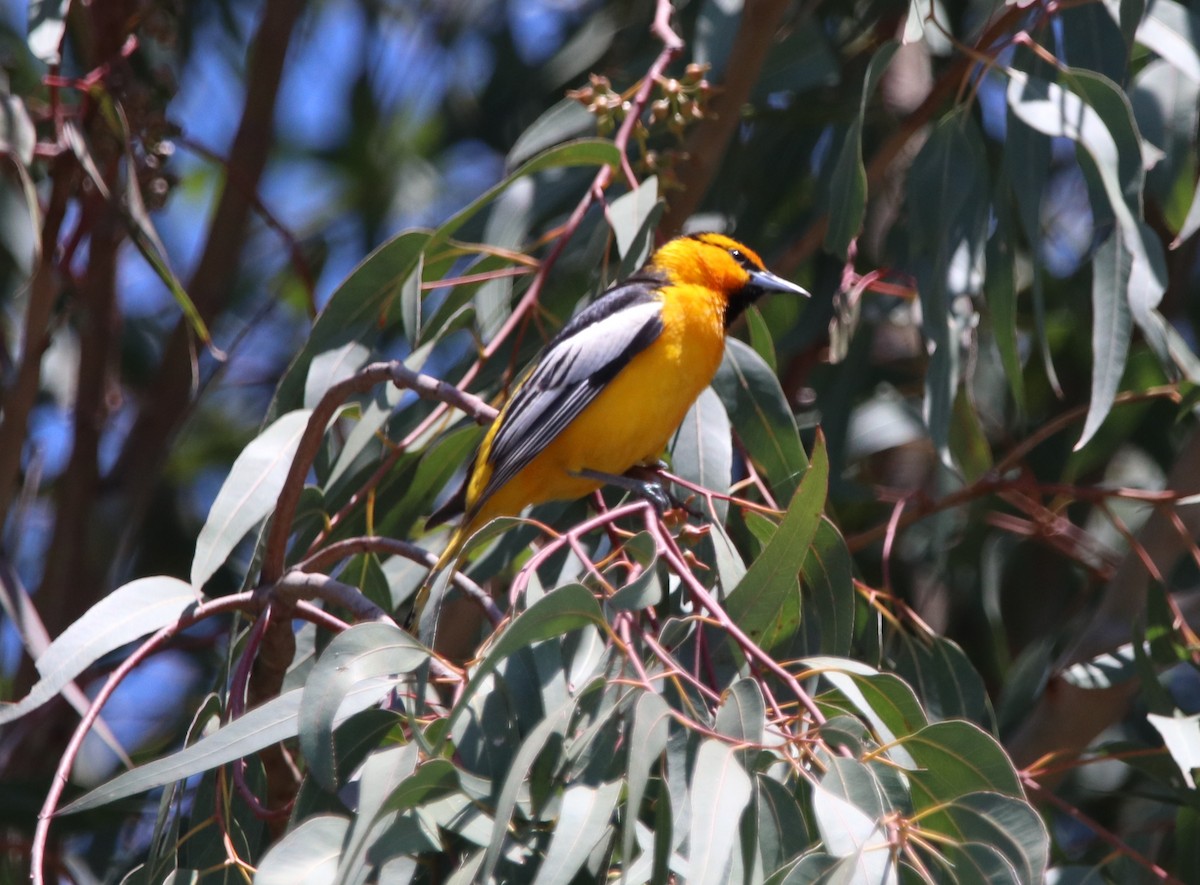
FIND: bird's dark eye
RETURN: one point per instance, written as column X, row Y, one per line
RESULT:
column 737, row 256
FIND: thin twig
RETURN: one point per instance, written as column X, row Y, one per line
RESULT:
column 202, row 611
column 675, row 559
column 335, row 552
column 425, row 386
column 1118, row 844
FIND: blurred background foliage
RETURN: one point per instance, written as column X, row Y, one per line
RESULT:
column 994, row 206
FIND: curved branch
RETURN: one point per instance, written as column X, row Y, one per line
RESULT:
column 709, row 139
column 297, row 585
column 236, row 602
column 425, row 386
column 335, row 552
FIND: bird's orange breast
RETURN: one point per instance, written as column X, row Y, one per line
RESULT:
column 631, row 421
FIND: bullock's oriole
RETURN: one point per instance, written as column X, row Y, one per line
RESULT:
column 608, row 391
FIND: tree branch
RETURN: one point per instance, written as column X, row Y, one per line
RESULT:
column 44, row 288
column 1068, row 717
column 71, row 583
column 709, row 139
column 168, row 401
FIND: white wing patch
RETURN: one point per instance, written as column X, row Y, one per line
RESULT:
column 567, row 378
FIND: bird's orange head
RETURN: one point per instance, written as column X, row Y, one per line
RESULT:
column 720, row 264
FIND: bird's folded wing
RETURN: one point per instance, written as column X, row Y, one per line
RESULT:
column 572, row 372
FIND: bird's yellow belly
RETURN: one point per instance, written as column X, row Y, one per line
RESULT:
column 629, row 423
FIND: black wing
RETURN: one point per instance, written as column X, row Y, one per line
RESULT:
column 588, row 353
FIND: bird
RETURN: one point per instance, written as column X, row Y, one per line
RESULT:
column 611, row 388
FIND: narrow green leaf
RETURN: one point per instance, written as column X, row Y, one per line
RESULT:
column 702, row 450
column 765, row 603
column 1000, row 287
column 647, row 740
column 565, row 608
column 128, row 613
column 847, row 193
column 765, row 423
column 848, row 184
column 412, row 301
column 1027, row 159
column 1112, row 330
column 584, row 819
column 507, row 228
column 133, row 213
column 248, row 494
column 145, row 237
column 307, row 854
column 562, row 121
column 515, row 778
column 827, row 579
column 760, row 337
column 371, row 652
column 382, row 771
column 720, row 792
column 266, row 724
column 954, row 758
column 352, row 311
column 968, row 442
column 948, row 186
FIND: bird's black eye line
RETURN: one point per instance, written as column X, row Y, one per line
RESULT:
column 736, row 255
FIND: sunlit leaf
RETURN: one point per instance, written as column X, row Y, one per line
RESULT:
column 720, row 792
column 1181, row 734
column 364, row 654
column 759, row 411
column 249, row 493
column 765, row 604
column 702, row 450
column 128, row 613
column 583, row 820
column 307, row 854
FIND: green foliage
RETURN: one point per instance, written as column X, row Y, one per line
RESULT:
column 916, row 573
